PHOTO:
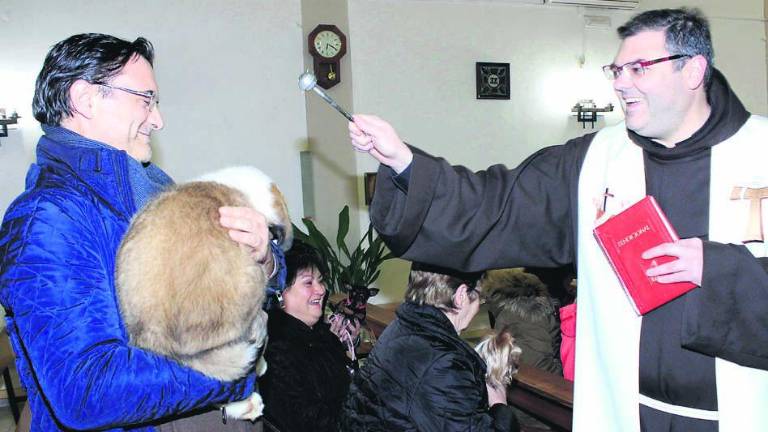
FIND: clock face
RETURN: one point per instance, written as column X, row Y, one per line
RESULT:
column 327, row 43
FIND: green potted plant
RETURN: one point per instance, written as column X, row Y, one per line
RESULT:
column 359, row 267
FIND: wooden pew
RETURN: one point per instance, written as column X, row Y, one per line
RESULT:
column 379, row 316
column 543, row 395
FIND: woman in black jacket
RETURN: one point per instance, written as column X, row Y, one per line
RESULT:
column 421, row 376
column 308, row 371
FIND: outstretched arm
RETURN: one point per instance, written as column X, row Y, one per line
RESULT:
column 494, row 218
column 373, row 135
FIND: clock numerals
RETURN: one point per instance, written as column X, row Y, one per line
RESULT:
column 327, row 43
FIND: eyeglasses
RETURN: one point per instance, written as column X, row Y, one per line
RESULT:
column 477, row 295
column 636, row 69
column 151, row 97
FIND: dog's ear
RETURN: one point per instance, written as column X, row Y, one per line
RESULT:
column 283, row 220
column 357, row 292
column 263, row 195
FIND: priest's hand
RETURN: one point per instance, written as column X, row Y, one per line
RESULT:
column 372, row 135
column 247, row 227
column 688, row 267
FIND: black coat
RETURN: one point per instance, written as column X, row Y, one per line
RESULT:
column 536, row 328
column 307, row 375
column 421, row 376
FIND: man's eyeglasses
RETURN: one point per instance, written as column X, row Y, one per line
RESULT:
column 150, row 96
column 636, row 69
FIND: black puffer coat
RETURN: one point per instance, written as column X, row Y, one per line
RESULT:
column 307, row 375
column 421, row 376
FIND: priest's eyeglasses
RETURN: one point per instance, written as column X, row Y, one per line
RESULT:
column 150, row 96
column 636, row 69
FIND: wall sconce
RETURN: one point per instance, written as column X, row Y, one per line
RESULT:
column 5, row 121
column 586, row 111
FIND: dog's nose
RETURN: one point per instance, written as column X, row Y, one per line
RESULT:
column 277, row 232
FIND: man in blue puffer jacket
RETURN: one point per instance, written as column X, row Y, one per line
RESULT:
column 96, row 97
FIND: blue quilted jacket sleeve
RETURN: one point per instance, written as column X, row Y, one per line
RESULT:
column 57, row 251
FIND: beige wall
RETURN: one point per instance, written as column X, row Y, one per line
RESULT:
column 335, row 174
column 226, row 70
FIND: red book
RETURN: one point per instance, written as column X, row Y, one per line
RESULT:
column 624, row 237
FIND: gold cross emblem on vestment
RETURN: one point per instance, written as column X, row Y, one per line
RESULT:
column 755, row 196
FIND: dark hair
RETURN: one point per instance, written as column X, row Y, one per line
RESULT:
column 92, row 57
column 686, row 30
column 301, row 256
column 435, row 286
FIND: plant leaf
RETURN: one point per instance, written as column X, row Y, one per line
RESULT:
column 359, row 266
column 298, row 233
column 318, row 240
column 341, row 235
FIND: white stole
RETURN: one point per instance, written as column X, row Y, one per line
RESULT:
column 606, row 393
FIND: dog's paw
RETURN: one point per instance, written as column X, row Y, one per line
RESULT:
column 248, row 409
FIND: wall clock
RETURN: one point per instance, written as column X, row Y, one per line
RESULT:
column 327, row 45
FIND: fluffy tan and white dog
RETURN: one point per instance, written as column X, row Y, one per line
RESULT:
column 501, row 356
column 187, row 290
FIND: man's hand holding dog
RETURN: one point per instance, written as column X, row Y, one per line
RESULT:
column 248, row 227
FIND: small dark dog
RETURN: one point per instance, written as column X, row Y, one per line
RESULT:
column 353, row 308
column 351, row 312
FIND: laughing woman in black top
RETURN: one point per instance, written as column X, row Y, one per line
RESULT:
column 308, row 370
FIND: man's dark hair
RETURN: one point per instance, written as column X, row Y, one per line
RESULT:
column 687, row 32
column 92, row 57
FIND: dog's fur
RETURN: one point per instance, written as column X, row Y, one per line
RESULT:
column 501, row 356
column 186, row 289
